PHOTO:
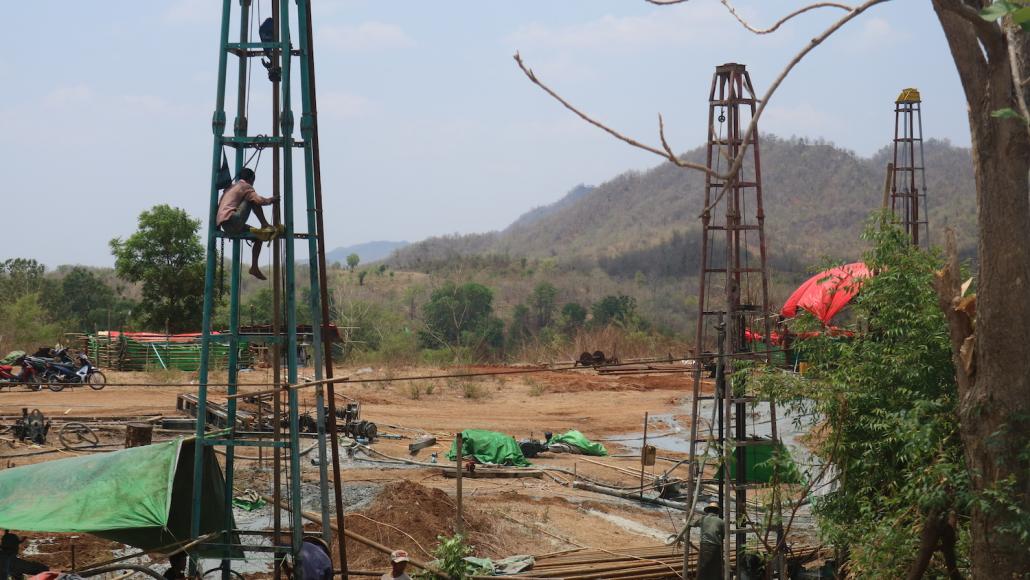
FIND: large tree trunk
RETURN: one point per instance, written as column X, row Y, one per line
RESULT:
column 994, row 377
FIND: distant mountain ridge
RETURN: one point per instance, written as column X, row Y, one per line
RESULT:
column 368, row 251
column 817, row 199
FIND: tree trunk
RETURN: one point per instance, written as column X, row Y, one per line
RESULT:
column 994, row 376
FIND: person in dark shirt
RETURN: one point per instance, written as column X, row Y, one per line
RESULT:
column 177, row 569
column 11, row 566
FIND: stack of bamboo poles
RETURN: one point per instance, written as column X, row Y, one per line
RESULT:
column 656, row 562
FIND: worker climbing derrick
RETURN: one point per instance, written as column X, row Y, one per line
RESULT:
column 234, row 209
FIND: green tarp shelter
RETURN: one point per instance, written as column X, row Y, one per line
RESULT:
column 577, row 440
column 141, row 496
column 760, row 467
column 489, row 447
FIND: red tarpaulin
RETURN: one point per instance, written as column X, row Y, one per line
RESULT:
column 826, row 293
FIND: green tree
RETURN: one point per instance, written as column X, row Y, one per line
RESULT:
column 85, row 301
column 888, row 395
column 257, row 309
column 543, row 303
column 165, row 255
column 573, row 316
column 618, row 310
column 461, row 316
column 26, row 325
column 352, row 261
column 520, row 329
column 20, row 276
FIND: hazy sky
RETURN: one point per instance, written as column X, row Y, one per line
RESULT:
column 427, row 125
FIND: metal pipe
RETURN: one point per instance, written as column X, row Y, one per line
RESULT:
column 459, row 526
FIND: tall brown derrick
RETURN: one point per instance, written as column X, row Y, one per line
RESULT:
column 734, row 318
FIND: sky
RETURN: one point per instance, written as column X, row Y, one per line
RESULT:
column 427, row 126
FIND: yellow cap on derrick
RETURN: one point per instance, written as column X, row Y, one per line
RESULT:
column 909, row 96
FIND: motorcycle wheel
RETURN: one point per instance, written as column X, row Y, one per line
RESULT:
column 54, row 383
column 97, row 380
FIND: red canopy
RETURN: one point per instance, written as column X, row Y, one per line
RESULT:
column 826, row 293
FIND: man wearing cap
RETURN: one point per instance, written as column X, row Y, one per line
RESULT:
column 709, row 561
column 398, row 562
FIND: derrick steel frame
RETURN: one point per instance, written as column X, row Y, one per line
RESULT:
column 280, row 53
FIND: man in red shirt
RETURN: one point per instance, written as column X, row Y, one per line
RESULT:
column 235, row 208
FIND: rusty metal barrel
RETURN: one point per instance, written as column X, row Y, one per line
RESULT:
column 138, row 434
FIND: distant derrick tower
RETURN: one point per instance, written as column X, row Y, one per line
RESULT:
column 734, row 318
column 908, row 183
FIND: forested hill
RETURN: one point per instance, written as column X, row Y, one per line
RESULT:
column 817, row 199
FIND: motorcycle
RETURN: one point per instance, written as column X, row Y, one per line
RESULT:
column 61, row 371
column 30, row 374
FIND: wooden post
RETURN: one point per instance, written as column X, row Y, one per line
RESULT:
column 459, row 525
column 73, row 555
column 643, row 453
column 138, row 434
column 887, row 185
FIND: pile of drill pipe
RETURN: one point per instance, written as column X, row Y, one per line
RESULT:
column 649, row 562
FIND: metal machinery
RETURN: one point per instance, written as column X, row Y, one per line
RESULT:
column 908, row 182
column 734, row 316
column 272, row 42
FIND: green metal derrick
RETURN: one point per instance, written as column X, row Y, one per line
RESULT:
column 284, row 441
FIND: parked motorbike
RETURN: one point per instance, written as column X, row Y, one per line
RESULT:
column 61, row 371
column 31, row 374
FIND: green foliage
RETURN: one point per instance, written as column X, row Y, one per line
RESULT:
column 352, row 261
column 165, row 255
column 361, row 277
column 25, row 325
column 87, row 303
column 543, row 303
column 450, row 556
column 888, row 396
column 462, row 315
column 619, row 310
column 20, row 276
column 520, row 329
column 1018, row 9
column 573, row 317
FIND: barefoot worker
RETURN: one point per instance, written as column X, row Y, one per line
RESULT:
column 235, row 207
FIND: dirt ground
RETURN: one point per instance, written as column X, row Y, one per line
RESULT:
column 408, row 507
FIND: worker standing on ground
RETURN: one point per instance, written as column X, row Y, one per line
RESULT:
column 709, row 561
column 398, row 562
column 11, row 566
column 235, row 207
column 315, row 561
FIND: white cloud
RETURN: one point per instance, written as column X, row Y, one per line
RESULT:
column 688, row 24
column 69, row 95
column 192, row 11
column 874, row 34
column 367, row 36
column 342, row 105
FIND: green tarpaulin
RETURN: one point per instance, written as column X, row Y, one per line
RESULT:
column 760, row 467
column 141, row 497
column 489, row 447
column 11, row 357
column 577, row 440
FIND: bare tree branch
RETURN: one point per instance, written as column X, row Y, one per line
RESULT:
column 731, row 177
column 751, row 28
column 738, row 162
column 666, row 153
